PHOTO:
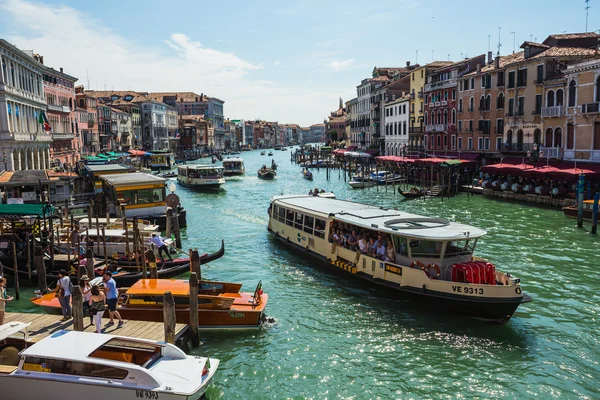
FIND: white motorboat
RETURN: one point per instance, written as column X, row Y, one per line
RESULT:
column 233, row 166
column 431, row 259
column 84, row 365
column 204, row 177
column 359, row 181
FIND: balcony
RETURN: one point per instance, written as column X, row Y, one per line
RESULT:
column 595, row 155
column 54, row 107
column 415, row 129
column 436, row 127
column 63, row 136
column 590, row 108
column 440, row 85
column 91, row 124
column 552, row 112
column 550, row 152
column 437, row 104
column 444, row 103
column 420, row 94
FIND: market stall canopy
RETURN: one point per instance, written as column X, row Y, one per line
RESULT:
column 503, row 168
column 572, row 174
column 540, row 172
column 138, row 153
column 339, row 151
column 356, row 154
column 23, row 210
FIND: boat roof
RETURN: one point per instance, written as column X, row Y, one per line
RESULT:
column 10, row 328
column 135, row 178
column 382, row 219
column 98, row 232
column 108, row 168
column 199, row 166
column 149, row 287
column 74, row 345
column 233, row 159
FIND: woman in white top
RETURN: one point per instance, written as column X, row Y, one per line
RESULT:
column 362, row 245
column 97, row 303
column 86, row 291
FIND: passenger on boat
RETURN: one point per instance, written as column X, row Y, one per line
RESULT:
column 160, row 245
column 362, row 244
column 389, row 254
column 310, row 193
column 352, row 240
column 371, row 248
column 380, row 251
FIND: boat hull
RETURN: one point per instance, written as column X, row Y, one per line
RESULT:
column 234, row 173
column 497, row 310
column 572, row 212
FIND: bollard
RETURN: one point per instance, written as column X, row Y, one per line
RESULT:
column 77, row 308
column 38, row 262
column 104, row 245
column 580, row 188
column 152, row 264
column 143, row 252
column 595, row 213
column 169, row 317
column 175, row 225
column 194, row 323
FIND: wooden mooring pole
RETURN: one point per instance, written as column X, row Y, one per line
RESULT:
column 195, row 263
column 580, row 189
column 38, row 263
column 595, row 213
column 194, row 323
column 77, row 308
column 152, row 264
column 15, row 268
column 169, row 317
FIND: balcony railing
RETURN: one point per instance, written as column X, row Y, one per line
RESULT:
column 440, row 85
column 444, row 103
column 590, row 108
column 63, row 136
column 550, row 152
column 436, row 127
column 415, row 129
column 54, row 107
column 552, row 112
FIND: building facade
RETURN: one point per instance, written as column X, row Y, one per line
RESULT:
column 24, row 143
column 396, row 125
column 90, row 138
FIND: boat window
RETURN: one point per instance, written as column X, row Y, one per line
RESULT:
column 425, row 248
column 142, row 196
column 281, row 214
column 50, row 365
column 320, row 228
column 299, row 219
column 289, row 217
column 460, row 247
column 308, row 224
column 401, row 245
column 129, row 351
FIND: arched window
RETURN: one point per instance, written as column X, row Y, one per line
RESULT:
column 445, row 116
column 537, row 136
column 500, row 101
column 548, row 141
column 471, row 104
column 559, row 97
column 460, row 105
column 439, row 114
column 598, row 88
column 572, row 93
column 557, row 137
column 488, row 102
column 454, row 116
column 482, row 103
column 550, row 99
column 509, row 137
column 426, row 120
column 404, row 128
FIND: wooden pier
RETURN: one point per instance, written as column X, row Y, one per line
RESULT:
column 43, row 325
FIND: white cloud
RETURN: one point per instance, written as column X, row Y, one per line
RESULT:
column 340, row 65
column 83, row 45
column 277, row 63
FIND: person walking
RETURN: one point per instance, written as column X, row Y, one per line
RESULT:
column 4, row 298
column 96, row 305
column 112, row 298
column 86, row 291
column 160, row 245
column 63, row 292
column 74, row 237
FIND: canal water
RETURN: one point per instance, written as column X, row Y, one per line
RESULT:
column 336, row 337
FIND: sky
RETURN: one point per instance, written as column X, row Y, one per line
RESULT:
column 287, row 61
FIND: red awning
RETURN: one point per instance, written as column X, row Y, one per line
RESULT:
column 503, row 168
column 540, row 172
column 432, row 160
column 572, row 174
column 137, row 152
column 339, row 151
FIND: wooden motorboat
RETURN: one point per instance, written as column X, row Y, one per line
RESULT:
column 221, row 305
column 124, row 262
column 266, row 173
column 413, row 193
column 307, row 174
column 573, row 211
column 97, row 367
column 358, row 181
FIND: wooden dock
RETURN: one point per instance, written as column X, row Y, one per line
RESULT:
column 43, row 325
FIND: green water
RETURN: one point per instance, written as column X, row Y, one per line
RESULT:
column 339, row 338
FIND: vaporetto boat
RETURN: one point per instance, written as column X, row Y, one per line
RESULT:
column 203, row 177
column 432, row 258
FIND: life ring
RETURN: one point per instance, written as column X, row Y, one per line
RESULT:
column 437, row 270
column 417, row 265
column 518, row 290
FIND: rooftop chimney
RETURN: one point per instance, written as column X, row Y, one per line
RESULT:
column 478, row 68
column 490, row 59
column 407, row 64
column 61, row 69
column 497, row 62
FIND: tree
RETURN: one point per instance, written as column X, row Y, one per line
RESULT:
column 333, row 135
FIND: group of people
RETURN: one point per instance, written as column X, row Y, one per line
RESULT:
column 95, row 298
column 373, row 244
column 315, row 192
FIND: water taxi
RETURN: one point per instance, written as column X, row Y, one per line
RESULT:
column 262, row 153
column 431, row 259
column 203, row 177
column 92, row 174
column 233, row 166
column 359, row 181
column 97, row 367
column 573, row 211
column 221, row 305
column 160, row 159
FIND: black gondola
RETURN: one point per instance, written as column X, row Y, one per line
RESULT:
column 413, row 193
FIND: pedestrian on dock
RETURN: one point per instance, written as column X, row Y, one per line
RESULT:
column 96, row 305
column 75, row 239
column 4, row 298
column 112, row 298
column 86, row 291
column 160, row 245
column 63, row 292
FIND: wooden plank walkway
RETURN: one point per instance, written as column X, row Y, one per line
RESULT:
column 43, row 325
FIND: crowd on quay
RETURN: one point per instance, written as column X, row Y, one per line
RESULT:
column 373, row 244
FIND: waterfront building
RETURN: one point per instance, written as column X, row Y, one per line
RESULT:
column 186, row 103
column 396, row 124
column 24, row 143
column 215, row 114
column 105, row 128
column 351, row 124
column 133, row 109
column 316, row 133
column 441, row 102
column 336, row 124
column 122, row 126
column 583, row 111
column 249, row 133
column 89, row 130
column 363, row 112
column 59, row 89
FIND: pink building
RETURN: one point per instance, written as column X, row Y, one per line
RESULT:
column 59, row 89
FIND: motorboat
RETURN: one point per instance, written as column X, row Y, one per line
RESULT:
column 307, row 174
column 262, row 153
column 233, row 166
column 270, row 153
column 221, row 305
column 266, row 173
column 430, row 259
column 359, row 181
column 573, row 211
column 96, row 367
column 273, row 165
column 203, row 177
column 283, row 148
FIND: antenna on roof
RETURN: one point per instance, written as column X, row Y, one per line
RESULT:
column 448, row 57
column 514, row 41
column 499, row 44
column 88, row 78
column 587, row 8
column 432, row 55
column 417, row 57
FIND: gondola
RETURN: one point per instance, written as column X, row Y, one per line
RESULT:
column 266, row 173
column 307, row 174
column 205, row 258
column 270, row 153
column 413, row 193
column 273, row 165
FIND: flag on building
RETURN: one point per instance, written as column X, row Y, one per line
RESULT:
column 45, row 122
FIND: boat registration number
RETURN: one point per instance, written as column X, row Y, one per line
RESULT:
column 146, row 394
column 35, row 367
column 466, row 289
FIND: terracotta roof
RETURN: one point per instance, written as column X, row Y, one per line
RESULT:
column 458, row 63
column 117, row 110
column 575, row 35
column 504, row 61
column 5, row 176
column 559, row 51
column 439, row 64
column 534, row 44
column 57, row 174
column 186, row 96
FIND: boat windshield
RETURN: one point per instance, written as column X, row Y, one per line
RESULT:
column 460, row 247
column 141, row 196
column 128, row 351
column 425, row 248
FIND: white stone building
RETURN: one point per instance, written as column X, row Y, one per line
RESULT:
column 24, row 144
column 396, row 118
